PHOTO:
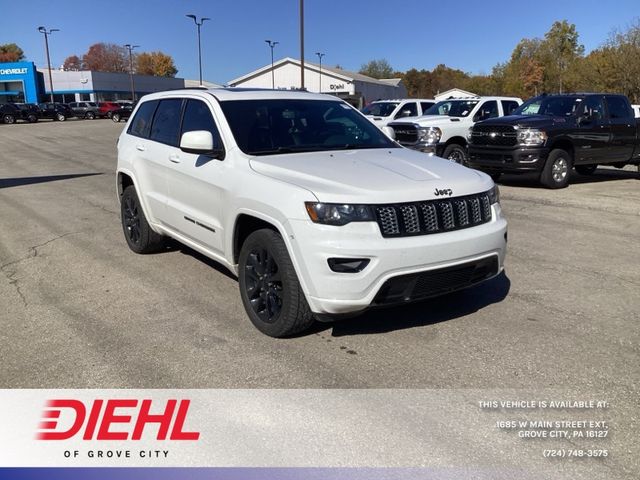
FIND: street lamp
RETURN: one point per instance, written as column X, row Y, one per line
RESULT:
column 301, row 44
column 130, row 47
column 202, row 20
column 46, row 34
column 320, row 55
column 272, row 44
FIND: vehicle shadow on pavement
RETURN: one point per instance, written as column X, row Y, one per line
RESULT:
column 174, row 245
column 21, row 181
column 420, row 314
column 600, row 175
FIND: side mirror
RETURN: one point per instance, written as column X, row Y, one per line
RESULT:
column 200, row 142
column 389, row 132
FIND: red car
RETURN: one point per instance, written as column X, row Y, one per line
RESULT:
column 105, row 109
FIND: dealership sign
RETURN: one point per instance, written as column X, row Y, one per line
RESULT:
column 13, row 71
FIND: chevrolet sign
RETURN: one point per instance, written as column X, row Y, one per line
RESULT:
column 12, row 71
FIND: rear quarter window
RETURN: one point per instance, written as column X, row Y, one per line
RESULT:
column 141, row 123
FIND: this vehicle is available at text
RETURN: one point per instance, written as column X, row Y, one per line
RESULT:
column 312, row 206
column 550, row 134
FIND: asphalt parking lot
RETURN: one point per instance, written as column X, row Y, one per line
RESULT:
column 79, row 310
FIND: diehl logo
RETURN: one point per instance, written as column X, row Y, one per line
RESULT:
column 99, row 420
column 444, row 192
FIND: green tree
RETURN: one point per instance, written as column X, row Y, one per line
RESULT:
column 377, row 69
column 157, row 64
column 10, row 52
column 561, row 51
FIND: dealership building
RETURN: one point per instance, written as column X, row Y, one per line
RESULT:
column 23, row 82
column 355, row 88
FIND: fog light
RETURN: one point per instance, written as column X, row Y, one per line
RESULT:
column 348, row 265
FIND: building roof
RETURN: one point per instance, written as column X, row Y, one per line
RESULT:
column 338, row 72
column 457, row 90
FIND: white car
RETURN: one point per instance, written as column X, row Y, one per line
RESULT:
column 636, row 110
column 312, row 206
column 444, row 128
column 381, row 112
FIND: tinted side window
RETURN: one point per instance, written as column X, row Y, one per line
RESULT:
column 408, row 110
column 141, row 123
column 166, row 122
column 593, row 108
column 197, row 116
column 426, row 105
column 618, row 108
column 487, row 110
column 509, row 106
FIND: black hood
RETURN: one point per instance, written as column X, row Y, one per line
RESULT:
column 529, row 121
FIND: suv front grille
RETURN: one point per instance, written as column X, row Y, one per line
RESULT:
column 406, row 134
column 494, row 135
column 433, row 216
column 418, row 286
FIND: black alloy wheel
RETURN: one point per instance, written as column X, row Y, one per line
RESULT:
column 137, row 231
column 263, row 285
column 269, row 286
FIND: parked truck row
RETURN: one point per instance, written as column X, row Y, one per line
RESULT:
column 548, row 135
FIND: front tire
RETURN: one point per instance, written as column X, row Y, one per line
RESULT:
column 9, row 119
column 269, row 287
column 115, row 117
column 455, row 153
column 557, row 169
column 31, row 118
column 139, row 235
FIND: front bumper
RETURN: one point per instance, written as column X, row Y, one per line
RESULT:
column 329, row 292
column 507, row 160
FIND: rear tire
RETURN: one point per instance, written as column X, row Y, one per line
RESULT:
column 455, row 153
column 557, row 169
column 90, row 115
column 139, row 235
column 269, row 287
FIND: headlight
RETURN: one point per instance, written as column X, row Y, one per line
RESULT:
column 494, row 195
column 531, row 136
column 430, row 135
column 469, row 134
column 339, row 214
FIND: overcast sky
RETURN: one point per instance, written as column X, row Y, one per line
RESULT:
column 470, row 35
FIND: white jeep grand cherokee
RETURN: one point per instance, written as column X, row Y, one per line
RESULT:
column 315, row 210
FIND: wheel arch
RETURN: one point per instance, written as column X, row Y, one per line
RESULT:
column 563, row 144
column 458, row 140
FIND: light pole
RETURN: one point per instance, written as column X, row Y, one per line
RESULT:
column 46, row 34
column 320, row 55
column 272, row 44
column 202, row 20
column 130, row 47
column 301, row 44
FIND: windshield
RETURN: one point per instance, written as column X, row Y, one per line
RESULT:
column 263, row 127
column 380, row 109
column 452, row 108
column 553, row 106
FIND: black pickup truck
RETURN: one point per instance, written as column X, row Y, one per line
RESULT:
column 550, row 134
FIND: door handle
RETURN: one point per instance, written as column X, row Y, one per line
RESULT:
column 140, row 147
column 174, row 158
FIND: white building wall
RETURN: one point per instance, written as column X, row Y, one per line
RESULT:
column 287, row 77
